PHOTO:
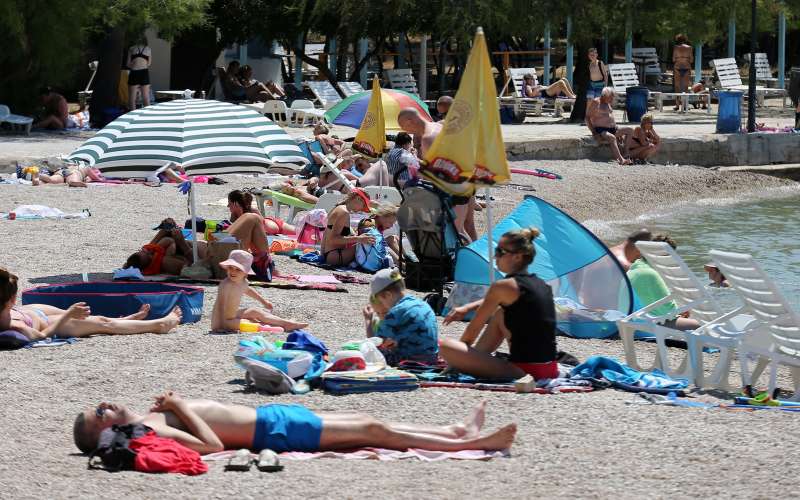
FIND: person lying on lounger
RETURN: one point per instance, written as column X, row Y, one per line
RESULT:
column 228, row 312
column 40, row 321
column 167, row 253
column 210, row 426
column 519, row 308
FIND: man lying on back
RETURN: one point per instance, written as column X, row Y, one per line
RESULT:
column 209, row 426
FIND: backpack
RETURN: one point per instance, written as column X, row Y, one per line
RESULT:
column 372, row 258
column 113, row 447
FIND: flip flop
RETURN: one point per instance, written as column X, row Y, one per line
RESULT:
column 268, row 461
column 240, row 462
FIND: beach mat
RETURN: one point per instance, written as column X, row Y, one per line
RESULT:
column 381, row 454
column 283, row 284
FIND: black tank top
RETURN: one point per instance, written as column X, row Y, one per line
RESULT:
column 532, row 321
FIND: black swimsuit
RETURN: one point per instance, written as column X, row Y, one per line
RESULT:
column 345, row 232
column 531, row 319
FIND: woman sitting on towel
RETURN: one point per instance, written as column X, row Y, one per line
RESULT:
column 240, row 203
column 167, row 253
column 519, row 309
column 40, row 321
column 338, row 241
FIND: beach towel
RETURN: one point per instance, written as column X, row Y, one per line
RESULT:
column 626, row 378
column 381, row 454
column 38, row 212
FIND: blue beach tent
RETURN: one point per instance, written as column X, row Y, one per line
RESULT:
column 590, row 287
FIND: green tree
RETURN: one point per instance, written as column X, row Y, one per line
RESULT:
column 38, row 47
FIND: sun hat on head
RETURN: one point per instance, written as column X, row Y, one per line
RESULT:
column 239, row 259
column 383, row 279
column 364, row 197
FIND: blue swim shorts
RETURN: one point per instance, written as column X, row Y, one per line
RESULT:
column 286, row 428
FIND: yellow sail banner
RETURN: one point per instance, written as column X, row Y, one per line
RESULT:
column 371, row 137
column 470, row 149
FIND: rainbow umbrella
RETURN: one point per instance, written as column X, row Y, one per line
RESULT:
column 351, row 111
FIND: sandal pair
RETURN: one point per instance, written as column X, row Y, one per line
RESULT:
column 242, row 461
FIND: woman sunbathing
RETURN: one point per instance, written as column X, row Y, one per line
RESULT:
column 40, row 321
column 339, row 242
column 519, row 309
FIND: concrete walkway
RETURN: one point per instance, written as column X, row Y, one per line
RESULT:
column 688, row 139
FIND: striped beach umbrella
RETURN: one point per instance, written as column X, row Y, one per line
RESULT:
column 351, row 111
column 206, row 137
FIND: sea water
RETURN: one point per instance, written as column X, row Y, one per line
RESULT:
column 768, row 229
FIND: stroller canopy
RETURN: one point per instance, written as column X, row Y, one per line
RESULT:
column 590, row 288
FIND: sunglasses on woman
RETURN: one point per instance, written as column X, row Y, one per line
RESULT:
column 500, row 251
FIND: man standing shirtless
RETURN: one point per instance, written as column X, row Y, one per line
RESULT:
column 208, row 426
column 425, row 132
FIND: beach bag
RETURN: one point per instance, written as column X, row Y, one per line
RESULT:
column 293, row 363
column 265, row 377
column 113, row 452
column 312, row 226
column 372, row 258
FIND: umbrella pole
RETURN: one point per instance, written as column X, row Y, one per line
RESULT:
column 192, row 212
column 489, row 242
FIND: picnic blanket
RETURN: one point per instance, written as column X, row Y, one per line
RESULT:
column 381, row 454
column 39, row 212
column 276, row 283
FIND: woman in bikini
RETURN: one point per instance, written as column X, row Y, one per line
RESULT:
column 519, row 309
column 240, row 203
column 339, row 242
column 682, row 59
column 598, row 75
column 644, row 141
column 531, row 88
column 40, row 321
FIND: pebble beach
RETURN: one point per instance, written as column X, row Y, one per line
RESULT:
column 568, row 446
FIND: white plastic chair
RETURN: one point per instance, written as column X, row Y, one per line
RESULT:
column 383, row 194
column 729, row 79
column 402, row 79
column 301, row 109
column 326, row 95
column 277, row 111
column 16, row 121
column 350, row 88
column 688, row 294
column 776, row 333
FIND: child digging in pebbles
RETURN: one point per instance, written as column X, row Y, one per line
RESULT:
column 227, row 314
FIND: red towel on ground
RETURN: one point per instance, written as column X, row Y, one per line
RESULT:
column 157, row 454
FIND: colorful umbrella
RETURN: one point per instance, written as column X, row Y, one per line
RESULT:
column 371, row 137
column 351, row 111
column 206, row 137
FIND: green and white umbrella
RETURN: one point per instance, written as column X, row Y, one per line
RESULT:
column 206, row 137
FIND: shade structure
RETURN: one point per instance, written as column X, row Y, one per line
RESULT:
column 351, row 111
column 371, row 137
column 590, row 288
column 206, row 137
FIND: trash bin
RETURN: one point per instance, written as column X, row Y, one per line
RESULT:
column 729, row 114
column 794, row 85
column 636, row 102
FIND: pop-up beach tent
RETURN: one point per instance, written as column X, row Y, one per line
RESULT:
column 590, row 288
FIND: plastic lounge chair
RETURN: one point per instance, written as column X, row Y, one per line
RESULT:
column 532, row 106
column 277, row 111
column 402, row 79
column 16, row 121
column 280, row 200
column 763, row 70
column 648, row 57
column 776, row 333
column 302, row 109
column 325, row 94
column 688, row 293
column 350, row 88
column 729, row 79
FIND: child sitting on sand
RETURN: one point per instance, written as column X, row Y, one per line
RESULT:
column 407, row 324
column 227, row 314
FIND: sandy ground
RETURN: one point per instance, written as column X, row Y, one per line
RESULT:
column 578, row 445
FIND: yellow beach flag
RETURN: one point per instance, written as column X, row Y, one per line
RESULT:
column 371, row 137
column 470, row 149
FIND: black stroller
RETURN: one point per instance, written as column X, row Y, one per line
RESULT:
column 426, row 218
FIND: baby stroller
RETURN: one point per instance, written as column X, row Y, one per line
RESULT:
column 426, row 218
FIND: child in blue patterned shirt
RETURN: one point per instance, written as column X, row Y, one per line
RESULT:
column 407, row 324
